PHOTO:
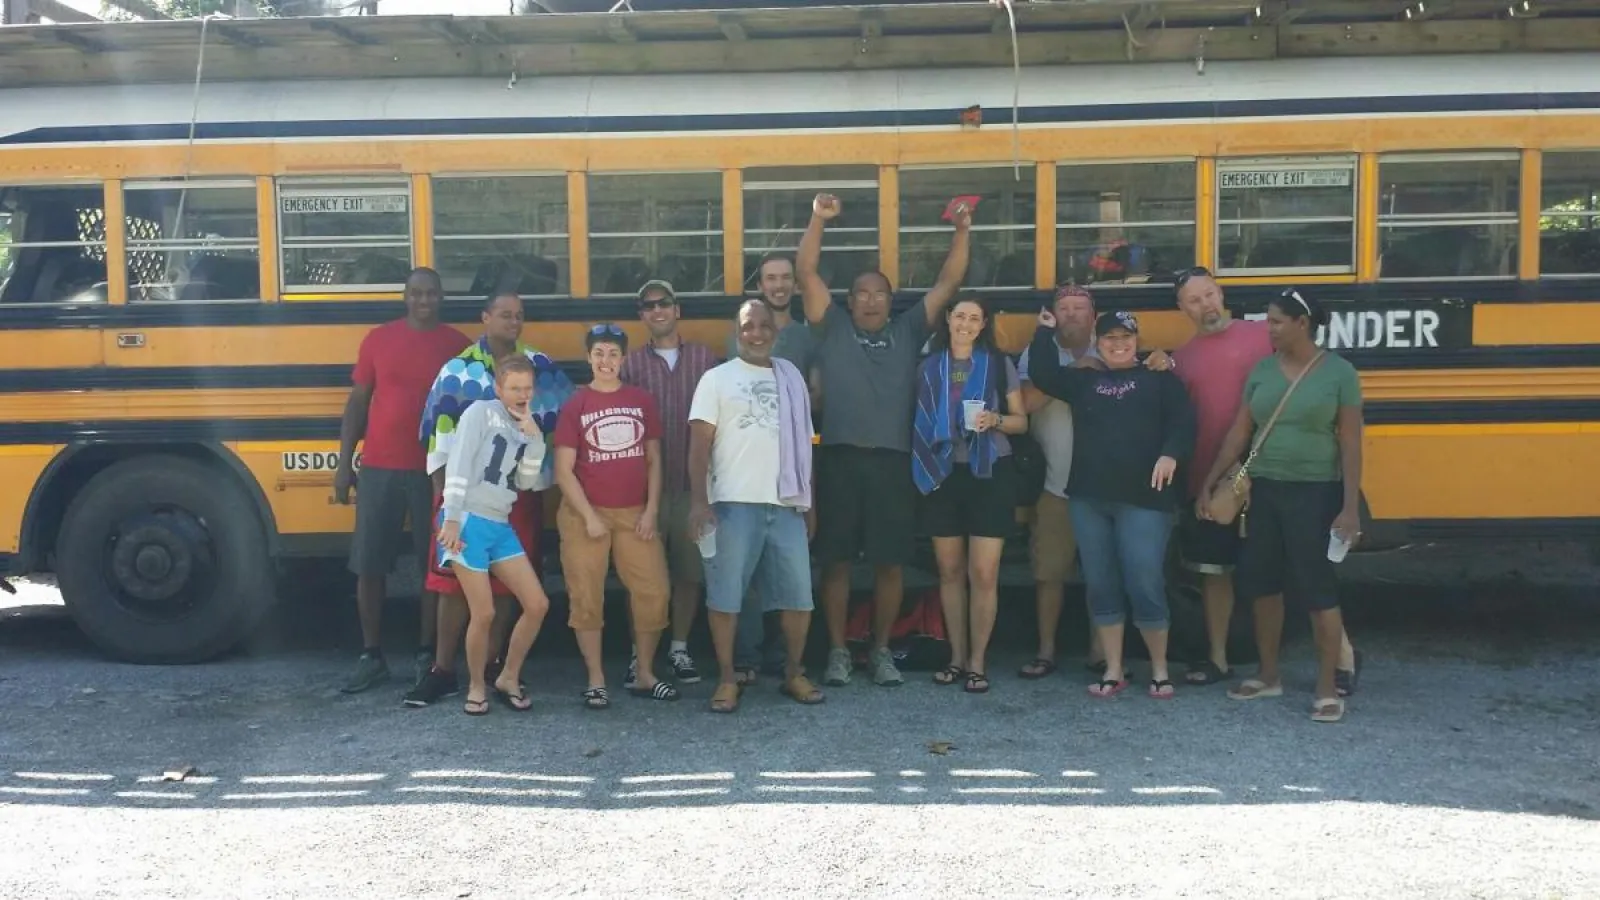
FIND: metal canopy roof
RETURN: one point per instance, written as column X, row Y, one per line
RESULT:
column 907, row 35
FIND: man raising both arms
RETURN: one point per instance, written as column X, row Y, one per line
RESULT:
column 866, row 500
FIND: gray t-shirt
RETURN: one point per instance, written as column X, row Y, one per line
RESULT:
column 1051, row 426
column 868, row 379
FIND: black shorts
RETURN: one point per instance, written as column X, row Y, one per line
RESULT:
column 866, row 506
column 387, row 500
column 1286, row 543
column 1206, row 547
column 968, row 506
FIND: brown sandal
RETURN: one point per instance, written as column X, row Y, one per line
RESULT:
column 726, row 698
column 802, row 691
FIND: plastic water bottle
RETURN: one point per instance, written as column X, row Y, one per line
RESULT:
column 708, row 542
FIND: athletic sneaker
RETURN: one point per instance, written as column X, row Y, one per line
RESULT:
column 424, row 662
column 839, row 667
column 371, row 671
column 683, row 669
column 883, row 670
column 432, row 687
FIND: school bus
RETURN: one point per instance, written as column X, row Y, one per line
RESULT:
column 191, row 254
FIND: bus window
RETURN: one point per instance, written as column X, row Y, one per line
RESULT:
column 192, row 241
column 666, row 225
column 1121, row 223
column 1448, row 215
column 1002, row 225
column 345, row 234
column 501, row 233
column 1569, row 226
column 52, row 244
column 777, row 208
column 1286, row 216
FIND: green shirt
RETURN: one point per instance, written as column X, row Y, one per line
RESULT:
column 1304, row 444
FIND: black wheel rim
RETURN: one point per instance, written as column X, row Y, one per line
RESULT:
column 160, row 563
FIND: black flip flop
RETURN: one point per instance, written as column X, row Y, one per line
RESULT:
column 948, row 675
column 1208, row 672
column 596, row 699
column 476, row 707
column 1039, row 668
column 973, row 680
column 509, row 701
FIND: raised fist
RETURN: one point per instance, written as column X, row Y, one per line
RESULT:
column 826, row 206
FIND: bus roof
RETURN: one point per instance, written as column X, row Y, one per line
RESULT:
column 794, row 38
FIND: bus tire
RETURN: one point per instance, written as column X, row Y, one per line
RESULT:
column 162, row 559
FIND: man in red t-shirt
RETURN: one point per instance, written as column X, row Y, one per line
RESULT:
column 1213, row 366
column 394, row 370
column 608, row 464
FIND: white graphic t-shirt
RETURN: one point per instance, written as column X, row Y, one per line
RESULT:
column 742, row 401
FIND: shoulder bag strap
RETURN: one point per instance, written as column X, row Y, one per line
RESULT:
column 1261, row 436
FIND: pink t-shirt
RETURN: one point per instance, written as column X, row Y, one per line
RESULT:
column 1214, row 367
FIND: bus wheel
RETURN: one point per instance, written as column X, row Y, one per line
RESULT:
column 164, row 560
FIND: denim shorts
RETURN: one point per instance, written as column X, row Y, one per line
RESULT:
column 752, row 535
column 484, row 542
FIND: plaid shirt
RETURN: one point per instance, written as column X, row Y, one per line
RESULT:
column 673, row 390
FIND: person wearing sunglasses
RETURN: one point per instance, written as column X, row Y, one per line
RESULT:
column 1305, row 492
column 1214, row 366
column 608, row 464
column 1132, row 427
column 668, row 367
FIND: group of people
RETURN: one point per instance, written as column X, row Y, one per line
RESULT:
column 693, row 477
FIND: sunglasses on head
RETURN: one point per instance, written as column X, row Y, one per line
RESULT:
column 1292, row 294
column 606, row 329
column 1179, row 279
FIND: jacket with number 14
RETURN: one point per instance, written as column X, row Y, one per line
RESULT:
column 1124, row 420
column 480, row 476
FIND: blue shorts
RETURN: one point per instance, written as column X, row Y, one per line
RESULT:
column 758, row 535
column 484, row 542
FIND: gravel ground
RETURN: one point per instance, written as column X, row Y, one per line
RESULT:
column 1469, row 766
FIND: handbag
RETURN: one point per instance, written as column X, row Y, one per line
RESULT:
column 1231, row 495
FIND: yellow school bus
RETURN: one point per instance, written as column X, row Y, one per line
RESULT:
column 188, row 264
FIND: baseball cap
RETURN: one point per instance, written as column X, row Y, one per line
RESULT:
column 1111, row 321
column 657, row 284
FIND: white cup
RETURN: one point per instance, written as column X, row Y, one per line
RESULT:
column 970, row 410
column 708, row 542
column 1337, row 547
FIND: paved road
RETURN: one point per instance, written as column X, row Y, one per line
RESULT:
column 1467, row 768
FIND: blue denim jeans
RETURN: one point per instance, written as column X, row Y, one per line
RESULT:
column 1123, row 550
column 753, row 646
column 759, row 535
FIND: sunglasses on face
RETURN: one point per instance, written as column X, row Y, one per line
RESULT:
column 662, row 303
column 1180, row 279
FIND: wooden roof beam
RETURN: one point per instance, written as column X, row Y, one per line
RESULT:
column 139, row 8
column 58, row 12
column 617, row 29
column 66, row 36
column 237, row 36
column 349, row 36
column 731, row 29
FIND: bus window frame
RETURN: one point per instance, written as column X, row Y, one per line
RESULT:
column 1592, row 215
column 1330, row 161
column 1027, row 227
column 133, row 245
column 435, row 237
column 362, row 183
column 99, row 186
column 718, row 273
column 1386, row 222
column 1194, row 223
column 751, row 282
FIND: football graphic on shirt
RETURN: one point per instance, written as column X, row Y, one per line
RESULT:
column 614, row 433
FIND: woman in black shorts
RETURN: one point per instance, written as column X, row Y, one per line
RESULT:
column 968, row 399
column 1305, row 493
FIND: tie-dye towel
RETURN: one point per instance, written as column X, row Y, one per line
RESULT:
column 469, row 378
